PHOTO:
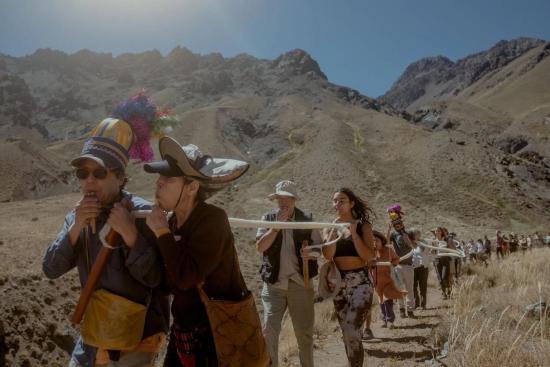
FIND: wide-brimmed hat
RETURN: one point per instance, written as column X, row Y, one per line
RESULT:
column 329, row 273
column 285, row 188
column 189, row 161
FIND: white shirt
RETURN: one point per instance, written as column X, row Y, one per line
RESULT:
column 289, row 266
column 479, row 248
column 421, row 257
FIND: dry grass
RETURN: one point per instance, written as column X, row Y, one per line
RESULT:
column 488, row 324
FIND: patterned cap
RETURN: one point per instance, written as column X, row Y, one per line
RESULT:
column 108, row 145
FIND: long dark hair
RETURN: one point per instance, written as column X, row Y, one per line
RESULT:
column 360, row 209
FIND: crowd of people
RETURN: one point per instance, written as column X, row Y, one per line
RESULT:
column 394, row 265
column 175, row 272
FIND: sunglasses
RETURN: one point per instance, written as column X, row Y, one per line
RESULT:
column 98, row 173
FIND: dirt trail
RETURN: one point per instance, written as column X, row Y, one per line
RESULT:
column 408, row 344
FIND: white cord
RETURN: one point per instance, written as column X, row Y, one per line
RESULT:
column 341, row 227
column 246, row 223
column 103, row 233
column 443, row 251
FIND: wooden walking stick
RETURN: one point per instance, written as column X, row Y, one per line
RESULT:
column 305, row 267
column 112, row 240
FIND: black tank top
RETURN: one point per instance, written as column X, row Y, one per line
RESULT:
column 345, row 246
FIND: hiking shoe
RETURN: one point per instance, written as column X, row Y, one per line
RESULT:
column 385, row 324
column 402, row 313
column 392, row 326
column 411, row 315
column 367, row 334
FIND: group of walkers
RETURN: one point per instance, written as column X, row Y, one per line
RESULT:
column 507, row 244
column 481, row 251
column 394, row 265
column 174, row 270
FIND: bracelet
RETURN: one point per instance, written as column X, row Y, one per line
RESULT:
column 161, row 232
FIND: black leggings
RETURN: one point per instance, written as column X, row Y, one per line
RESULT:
column 444, row 271
column 420, row 285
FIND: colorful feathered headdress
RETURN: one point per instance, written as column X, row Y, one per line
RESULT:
column 127, row 133
column 146, row 121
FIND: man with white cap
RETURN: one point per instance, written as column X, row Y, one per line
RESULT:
column 282, row 274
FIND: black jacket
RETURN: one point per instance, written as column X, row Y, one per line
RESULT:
column 271, row 259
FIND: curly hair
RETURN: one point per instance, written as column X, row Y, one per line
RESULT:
column 360, row 209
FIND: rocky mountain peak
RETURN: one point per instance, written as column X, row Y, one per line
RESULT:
column 475, row 66
column 427, row 64
column 438, row 78
column 46, row 58
column 183, row 59
column 299, row 62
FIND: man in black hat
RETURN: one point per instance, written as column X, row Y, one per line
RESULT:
column 133, row 270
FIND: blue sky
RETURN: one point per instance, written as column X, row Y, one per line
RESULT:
column 361, row 44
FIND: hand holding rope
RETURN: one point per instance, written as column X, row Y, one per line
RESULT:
column 341, row 228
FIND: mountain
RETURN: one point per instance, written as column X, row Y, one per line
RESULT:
column 473, row 163
column 498, row 98
column 437, row 78
column 62, row 95
column 289, row 121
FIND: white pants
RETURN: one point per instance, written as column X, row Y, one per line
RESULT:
column 404, row 278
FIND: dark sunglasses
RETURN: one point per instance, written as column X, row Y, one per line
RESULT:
column 98, row 173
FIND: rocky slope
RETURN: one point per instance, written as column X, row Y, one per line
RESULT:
column 437, row 78
column 497, row 98
column 289, row 122
column 63, row 95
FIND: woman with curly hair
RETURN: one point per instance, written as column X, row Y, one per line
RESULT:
column 351, row 255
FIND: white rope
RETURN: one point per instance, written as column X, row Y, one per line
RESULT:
column 447, row 252
column 387, row 263
column 246, row 223
column 236, row 222
column 341, row 227
column 442, row 251
column 141, row 214
column 103, row 234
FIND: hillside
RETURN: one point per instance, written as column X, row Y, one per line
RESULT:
column 506, row 106
column 446, row 167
